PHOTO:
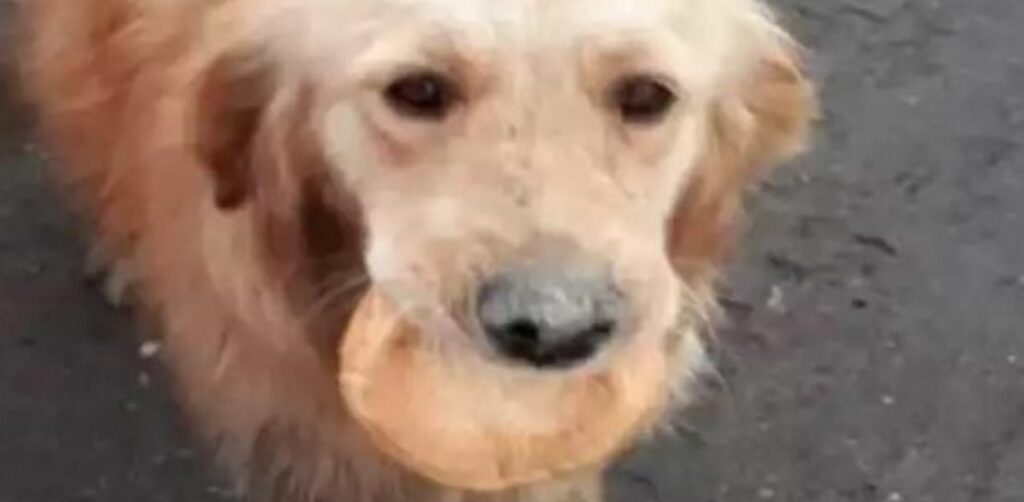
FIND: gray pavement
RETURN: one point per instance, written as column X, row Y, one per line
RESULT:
column 876, row 349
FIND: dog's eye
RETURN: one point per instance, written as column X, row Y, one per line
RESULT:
column 424, row 95
column 642, row 99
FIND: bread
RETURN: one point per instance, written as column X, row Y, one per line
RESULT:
column 468, row 422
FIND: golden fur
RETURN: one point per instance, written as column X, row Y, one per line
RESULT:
column 233, row 160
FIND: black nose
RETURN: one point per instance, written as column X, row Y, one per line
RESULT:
column 550, row 316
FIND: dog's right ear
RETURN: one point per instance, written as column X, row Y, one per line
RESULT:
column 232, row 97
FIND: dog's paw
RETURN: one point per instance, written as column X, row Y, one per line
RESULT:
column 115, row 277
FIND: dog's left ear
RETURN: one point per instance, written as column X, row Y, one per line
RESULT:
column 762, row 122
column 231, row 99
column 771, row 116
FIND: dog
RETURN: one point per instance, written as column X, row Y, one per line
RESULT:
column 561, row 178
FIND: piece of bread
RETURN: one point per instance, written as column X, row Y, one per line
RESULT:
column 467, row 422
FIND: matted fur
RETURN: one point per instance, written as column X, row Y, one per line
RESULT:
column 225, row 152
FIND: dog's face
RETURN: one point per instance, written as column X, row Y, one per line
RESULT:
column 518, row 163
column 545, row 180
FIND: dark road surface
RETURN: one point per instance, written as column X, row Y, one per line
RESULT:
column 876, row 350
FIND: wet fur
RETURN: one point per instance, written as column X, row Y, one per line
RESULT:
column 185, row 142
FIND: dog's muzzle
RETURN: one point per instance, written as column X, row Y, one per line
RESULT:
column 550, row 314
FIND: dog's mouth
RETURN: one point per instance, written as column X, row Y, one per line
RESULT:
column 485, row 373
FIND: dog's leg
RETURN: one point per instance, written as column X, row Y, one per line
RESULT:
column 115, row 276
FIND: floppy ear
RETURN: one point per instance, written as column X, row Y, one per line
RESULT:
column 304, row 215
column 763, row 122
column 262, row 150
column 232, row 97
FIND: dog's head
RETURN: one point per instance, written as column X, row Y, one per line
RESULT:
column 555, row 181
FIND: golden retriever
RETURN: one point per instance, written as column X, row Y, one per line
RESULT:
column 560, row 177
